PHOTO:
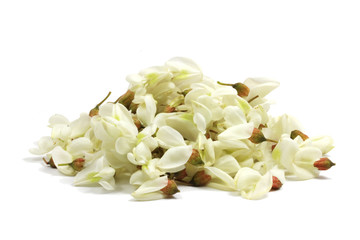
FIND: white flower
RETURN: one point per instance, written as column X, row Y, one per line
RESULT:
column 63, row 132
column 150, row 189
column 77, row 148
column 297, row 159
column 98, row 172
column 251, row 184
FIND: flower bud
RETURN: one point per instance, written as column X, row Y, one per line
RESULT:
column 94, row 112
column 200, row 179
column 257, row 136
column 126, row 99
column 296, row 133
column 242, row 89
column 137, row 122
column 276, row 183
column 180, row 175
column 195, row 158
column 169, row 109
column 78, row 164
column 133, row 107
column 323, row 164
column 170, row 188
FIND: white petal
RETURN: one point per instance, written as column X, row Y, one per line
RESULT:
column 260, row 86
column 146, row 111
column 174, row 159
column 108, row 184
column 80, row 125
column 45, row 145
column 138, row 178
column 61, row 131
column 200, row 122
column 203, row 110
column 228, row 164
column 58, row 119
column 152, row 185
column 263, row 186
column 60, row 156
column 324, row 143
column 124, row 145
column 242, row 131
column 78, row 147
column 148, row 196
column 220, row 178
column 169, row 137
column 234, row 116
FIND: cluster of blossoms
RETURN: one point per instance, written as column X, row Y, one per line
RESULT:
column 175, row 126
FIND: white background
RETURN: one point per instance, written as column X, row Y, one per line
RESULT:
column 64, row 56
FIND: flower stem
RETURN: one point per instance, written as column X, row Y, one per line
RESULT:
column 270, row 140
column 98, row 105
column 225, row 84
column 253, row 98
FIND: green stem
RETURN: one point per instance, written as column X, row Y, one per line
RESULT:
column 270, row 140
column 98, row 105
column 253, row 98
column 225, row 84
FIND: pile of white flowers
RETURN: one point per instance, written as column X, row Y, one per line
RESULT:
column 176, row 126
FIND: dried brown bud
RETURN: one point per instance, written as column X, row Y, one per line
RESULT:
column 170, row 188
column 78, row 164
column 169, row 109
column 276, row 183
column 200, row 179
column 133, row 107
column 323, row 164
column 242, row 89
column 94, row 112
column 137, row 122
column 195, row 158
column 180, row 175
column 296, row 133
column 126, row 99
column 257, row 136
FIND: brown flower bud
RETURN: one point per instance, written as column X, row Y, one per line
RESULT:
column 78, row 164
column 94, row 112
column 296, row 133
column 323, row 164
column 180, row 175
column 195, row 158
column 242, row 89
column 170, row 188
column 257, row 136
column 276, row 183
column 200, row 179
column 137, row 122
column 126, row 99
column 169, row 109
column 133, row 107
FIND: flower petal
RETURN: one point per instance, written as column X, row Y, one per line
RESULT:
column 169, row 137
column 174, row 159
column 241, row 131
